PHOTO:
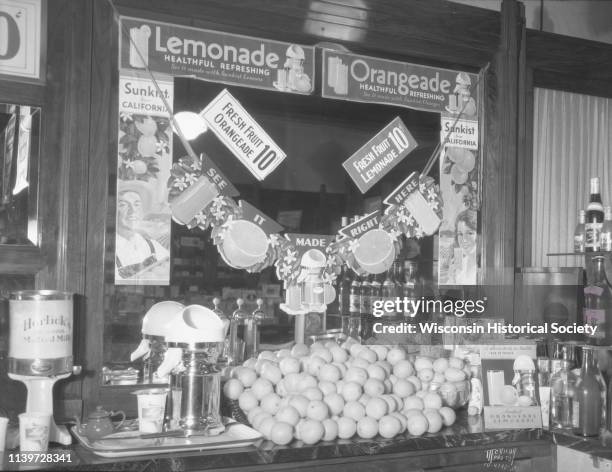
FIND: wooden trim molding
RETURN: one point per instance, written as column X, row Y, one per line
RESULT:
column 20, row 259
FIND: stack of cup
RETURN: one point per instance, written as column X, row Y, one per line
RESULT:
column 34, row 431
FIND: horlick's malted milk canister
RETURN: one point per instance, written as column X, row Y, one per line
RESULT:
column 40, row 334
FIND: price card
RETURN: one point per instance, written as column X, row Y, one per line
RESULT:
column 247, row 140
column 379, row 155
column 508, row 417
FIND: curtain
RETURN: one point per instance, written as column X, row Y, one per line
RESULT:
column 572, row 142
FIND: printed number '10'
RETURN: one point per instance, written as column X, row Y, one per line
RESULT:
column 399, row 139
column 266, row 157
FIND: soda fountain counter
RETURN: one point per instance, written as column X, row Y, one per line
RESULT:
column 465, row 446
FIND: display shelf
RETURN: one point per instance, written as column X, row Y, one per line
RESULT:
column 594, row 253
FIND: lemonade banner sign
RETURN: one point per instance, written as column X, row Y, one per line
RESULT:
column 247, row 140
column 215, row 56
column 380, row 155
column 368, row 79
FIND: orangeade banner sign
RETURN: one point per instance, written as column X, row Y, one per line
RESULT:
column 369, row 79
column 216, row 56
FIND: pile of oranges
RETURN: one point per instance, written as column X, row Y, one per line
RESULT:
column 329, row 391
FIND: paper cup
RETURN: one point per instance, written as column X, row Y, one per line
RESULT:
column 376, row 252
column 245, row 244
column 34, row 431
column 3, row 427
column 193, row 200
column 151, row 409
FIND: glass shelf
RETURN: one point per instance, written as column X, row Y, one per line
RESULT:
column 594, row 253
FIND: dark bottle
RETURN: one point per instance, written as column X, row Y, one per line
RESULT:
column 354, row 296
column 589, row 404
column 389, row 294
column 598, row 305
column 375, row 291
column 594, row 218
column 409, row 290
column 364, row 297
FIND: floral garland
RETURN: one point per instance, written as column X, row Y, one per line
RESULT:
column 397, row 219
column 282, row 253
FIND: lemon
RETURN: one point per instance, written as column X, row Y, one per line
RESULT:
column 265, row 427
column 413, row 402
column 448, row 415
column 311, row 431
column 403, row 388
column 417, row 424
column 300, row 350
column 262, row 387
column 374, row 387
column 395, row 355
column 246, row 375
column 272, row 373
column 346, row 427
column 331, row 430
column 432, row 400
column 389, row 426
column 300, row 403
column 329, row 373
column 289, row 415
column 289, row 365
column 434, row 419
column 351, row 391
column 271, row 403
column 354, row 410
column 357, row 375
column 440, row 365
column 377, row 408
column 317, row 410
column 367, row 427
column 313, row 393
column 335, row 403
column 233, row 388
column 403, row 369
column 282, row 433
column 327, row 388
column 247, row 401
column 376, row 371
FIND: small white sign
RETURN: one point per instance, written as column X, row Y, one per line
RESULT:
column 461, row 133
column 140, row 95
column 242, row 135
column 20, row 38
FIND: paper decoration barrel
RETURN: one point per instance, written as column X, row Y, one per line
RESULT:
column 244, row 245
column 40, row 332
column 375, row 253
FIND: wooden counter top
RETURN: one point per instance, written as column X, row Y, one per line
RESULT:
column 463, row 447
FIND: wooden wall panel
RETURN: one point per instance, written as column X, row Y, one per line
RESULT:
column 500, row 168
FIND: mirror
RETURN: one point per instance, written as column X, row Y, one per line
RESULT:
column 308, row 193
column 19, row 151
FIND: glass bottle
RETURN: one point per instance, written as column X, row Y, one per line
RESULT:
column 606, row 230
column 237, row 334
column 598, row 305
column 562, row 392
column 409, row 290
column 589, row 402
column 594, row 218
column 579, row 232
column 226, row 324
